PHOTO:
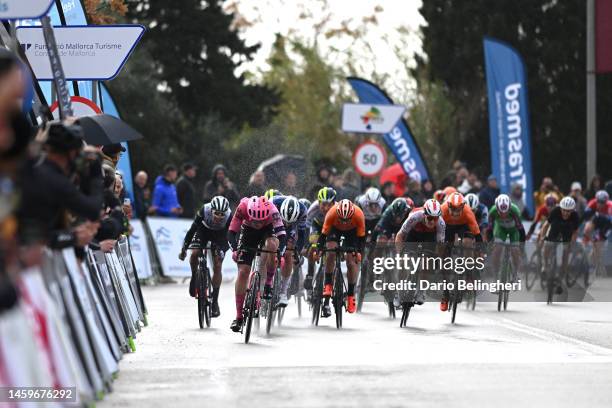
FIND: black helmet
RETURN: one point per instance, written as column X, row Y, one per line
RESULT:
column 65, row 137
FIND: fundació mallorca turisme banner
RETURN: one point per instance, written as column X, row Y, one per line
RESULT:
column 508, row 118
column 399, row 139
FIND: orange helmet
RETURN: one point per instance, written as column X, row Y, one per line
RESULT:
column 449, row 190
column 456, row 201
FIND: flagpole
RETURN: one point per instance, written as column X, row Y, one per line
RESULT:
column 591, row 131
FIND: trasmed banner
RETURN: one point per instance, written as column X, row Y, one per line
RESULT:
column 168, row 234
column 508, row 118
column 86, row 52
column 399, row 139
column 140, row 250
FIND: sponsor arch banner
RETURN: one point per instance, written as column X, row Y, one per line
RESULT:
column 509, row 129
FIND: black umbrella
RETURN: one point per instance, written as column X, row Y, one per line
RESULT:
column 100, row 130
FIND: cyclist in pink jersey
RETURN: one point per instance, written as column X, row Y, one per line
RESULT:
column 256, row 223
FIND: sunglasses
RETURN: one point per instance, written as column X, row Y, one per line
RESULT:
column 218, row 213
column 431, row 219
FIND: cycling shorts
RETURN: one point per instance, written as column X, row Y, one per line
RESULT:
column 252, row 238
column 502, row 234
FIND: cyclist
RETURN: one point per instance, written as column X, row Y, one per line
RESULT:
column 372, row 204
column 505, row 221
column 481, row 212
column 326, row 197
column 271, row 193
column 256, row 222
column 343, row 220
column 305, row 202
column 550, row 201
column 293, row 215
column 561, row 226
column 447, row 192
column 459, row 219
column 598, row 214
column 392, row 219
column 210, row 225
column 423, row 224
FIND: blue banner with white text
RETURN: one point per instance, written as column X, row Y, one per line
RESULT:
column 400, row 139
column 508, row 118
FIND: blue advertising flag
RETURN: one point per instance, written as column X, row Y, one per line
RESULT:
column 508, row 118
column 400, row 139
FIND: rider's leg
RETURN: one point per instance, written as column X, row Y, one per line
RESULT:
column 241, row 286
column 193, row 263
column 352, row 273
column 287, row 267
column 270, row 259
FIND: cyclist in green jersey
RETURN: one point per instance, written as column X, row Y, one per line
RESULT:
column 505, row 221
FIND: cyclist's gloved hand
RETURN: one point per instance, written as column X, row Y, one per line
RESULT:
column 183, row 254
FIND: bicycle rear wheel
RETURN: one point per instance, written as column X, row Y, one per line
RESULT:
column 455, row 303
column 317, row 296
column 363, row 283
column 207, row 300
column 405, row 313
column 391, row 309
column 201, row 298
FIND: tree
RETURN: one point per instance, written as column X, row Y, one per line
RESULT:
column 551, row 38
column 196, row 54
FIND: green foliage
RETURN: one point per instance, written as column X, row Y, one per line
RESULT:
column 551, row 38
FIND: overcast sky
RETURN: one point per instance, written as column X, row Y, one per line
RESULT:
column 280, row 16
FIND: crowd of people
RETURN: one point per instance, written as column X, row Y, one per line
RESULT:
column 56, row 191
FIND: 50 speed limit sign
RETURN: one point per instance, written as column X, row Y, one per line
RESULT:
column 369, row 159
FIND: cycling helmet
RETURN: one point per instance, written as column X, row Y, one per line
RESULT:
column 326, row 195
column 502, row 203
column 372, row 195
column 455, row 201
column 219, row 203
column 439, row 196
column 449, row 190
column 400, row 206
column 345, row 209
column 271, row 193
column 472, row 200
column 290, row 210
column 550, row 200
column 567, row 203
column 432, row 208
column 305, row 202
column 259, row 208
column 602, row 196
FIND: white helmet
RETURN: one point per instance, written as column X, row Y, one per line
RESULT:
column 602, row 196
column 502, row 203
column 472, row 200
column 432, row 208
column 290, row 209
column 372, row 195
column 567, row 203
column 219, row 203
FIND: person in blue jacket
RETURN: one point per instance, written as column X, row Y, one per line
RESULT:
column 165, row 199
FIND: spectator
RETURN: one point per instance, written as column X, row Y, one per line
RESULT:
column 576, row 194
column 475, row 183
column 141, row 195
column 290, row 185
column 462, row 181
column 112, row 153
column 350, row 186
column 595, row 185
column 220, row 184
column 165, row 200
column 427, row 188
column 547, row 187
column 516, row 196
column 119, row 190
column 257, row 184
column 488, row 194
column 414, row 192
column 608, row 187
column 323, row 175
column 186, row 191
column 388, row 192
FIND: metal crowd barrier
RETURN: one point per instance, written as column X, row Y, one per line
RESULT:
column 73, row 322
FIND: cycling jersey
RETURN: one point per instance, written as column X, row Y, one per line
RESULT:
column 464, row 222
column 315, row 217
column 482, row 216
column 295, row 231
column 205, row 221
column 561, row 230
column 414, row 228
column 388, row 224
column 243, row 223
column 508, row 227
column 356, row 222
column 601, row 217
column 593, row 208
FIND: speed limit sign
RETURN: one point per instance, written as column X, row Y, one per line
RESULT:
column 369, row 159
